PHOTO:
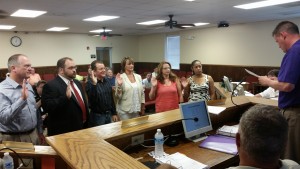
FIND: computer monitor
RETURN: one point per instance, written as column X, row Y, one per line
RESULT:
column 195, row 120
column 227, row 83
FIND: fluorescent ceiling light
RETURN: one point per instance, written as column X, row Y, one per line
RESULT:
column 57, row 29
column 189, row 0
column 264, row 4
column 200, row 24
column 6, row 27
column 101, row 18
column 100, row 30
column 152, row 22
column 27, row 13
column 186, row 26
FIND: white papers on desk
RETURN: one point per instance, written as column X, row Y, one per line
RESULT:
column 181, row 161
column 248, row 93
column 251, row 73
column 215, row 109
column 228, row 130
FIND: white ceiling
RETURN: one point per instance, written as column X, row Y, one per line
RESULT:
column 70, row 13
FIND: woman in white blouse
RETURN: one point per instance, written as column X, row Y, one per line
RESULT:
column 129, row 91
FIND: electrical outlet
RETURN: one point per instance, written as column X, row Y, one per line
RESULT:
column 139, row 139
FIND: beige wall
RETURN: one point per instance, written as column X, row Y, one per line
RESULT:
column 44, row 49
column 242, row 44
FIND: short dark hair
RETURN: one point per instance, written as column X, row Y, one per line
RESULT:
column 193, row 64
column 41, row 82
column 13, row 60
column 93, row 64
column 286, row 26
column 123, row 63
column 273, row 72
column 61, row 62
column 263, row 131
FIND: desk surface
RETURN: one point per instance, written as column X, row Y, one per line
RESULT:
column 89, row 148
column 213, row 159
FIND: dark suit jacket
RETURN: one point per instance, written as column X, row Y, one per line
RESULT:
column 64, row 115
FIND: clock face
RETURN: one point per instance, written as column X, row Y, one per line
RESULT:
column 16, row 41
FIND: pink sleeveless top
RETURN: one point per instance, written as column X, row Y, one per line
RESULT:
column 166, row 97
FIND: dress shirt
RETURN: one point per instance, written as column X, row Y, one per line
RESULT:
column 147, row 84
column 16, row 114
column 101, row 97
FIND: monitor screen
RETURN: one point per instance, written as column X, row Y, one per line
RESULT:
column 196, row 119
column 227, row 83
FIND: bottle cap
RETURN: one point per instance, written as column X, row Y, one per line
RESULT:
column 6, row 153
column 158, row 130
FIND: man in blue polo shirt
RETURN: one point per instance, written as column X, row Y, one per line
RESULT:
column 286, row 35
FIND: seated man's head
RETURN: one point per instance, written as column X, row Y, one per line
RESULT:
column 262, row 136
column 273, row 74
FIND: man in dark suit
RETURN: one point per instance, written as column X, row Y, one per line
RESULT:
column 64, row 100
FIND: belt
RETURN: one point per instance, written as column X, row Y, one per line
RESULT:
column 293, row 106
column 18, row 133
column 105, row 112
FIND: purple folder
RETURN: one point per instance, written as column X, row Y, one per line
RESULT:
column 220, row 143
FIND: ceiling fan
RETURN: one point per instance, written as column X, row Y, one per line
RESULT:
column 174, row 24
column 3, row 14
column 107, row 34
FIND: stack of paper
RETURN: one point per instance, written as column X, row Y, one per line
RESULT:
column 220, row 143
column 179, row 160
column 228, row 130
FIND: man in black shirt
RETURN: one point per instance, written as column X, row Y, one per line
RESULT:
column 99, row 91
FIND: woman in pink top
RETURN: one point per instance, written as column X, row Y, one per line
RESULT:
column 166, row 89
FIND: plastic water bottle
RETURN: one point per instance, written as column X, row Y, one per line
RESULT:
column 8, row 162
column 1, row 163
column 159, row 144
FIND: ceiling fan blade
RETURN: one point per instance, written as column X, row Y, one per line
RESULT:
column 183, row 26
column 156, row 26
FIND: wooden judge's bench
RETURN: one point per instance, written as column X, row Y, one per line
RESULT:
column 109, row 146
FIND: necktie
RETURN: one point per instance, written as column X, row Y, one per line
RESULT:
column 80, row 101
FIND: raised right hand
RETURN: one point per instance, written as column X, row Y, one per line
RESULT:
column 69, row 91
column 93, row 78
column 24, row 90
column 119, row 79
column 154, row 81
column 184, row 83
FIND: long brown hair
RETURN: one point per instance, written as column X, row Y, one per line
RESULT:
column 160, row 76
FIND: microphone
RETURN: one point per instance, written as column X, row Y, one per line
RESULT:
column 172, row 140
column 195, row 119
column 240, row 82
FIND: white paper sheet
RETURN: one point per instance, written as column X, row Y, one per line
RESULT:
column 215, row 109
column 251, row 73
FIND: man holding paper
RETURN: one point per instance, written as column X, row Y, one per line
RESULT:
column 286, row 35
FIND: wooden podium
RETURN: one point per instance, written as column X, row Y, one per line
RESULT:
column 100, row 147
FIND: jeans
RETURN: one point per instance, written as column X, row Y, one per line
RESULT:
column 97, row 119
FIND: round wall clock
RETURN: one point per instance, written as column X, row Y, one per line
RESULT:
column 16, row 41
